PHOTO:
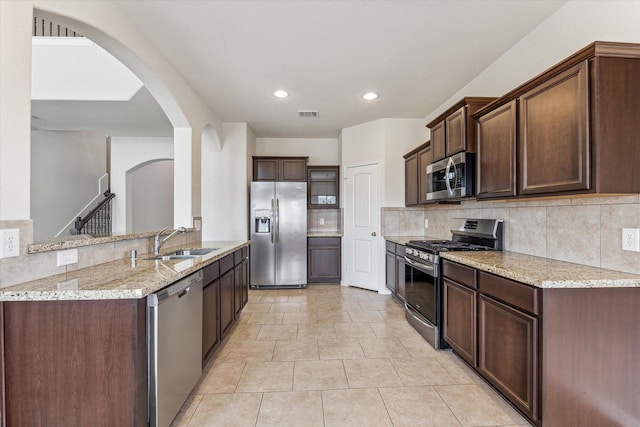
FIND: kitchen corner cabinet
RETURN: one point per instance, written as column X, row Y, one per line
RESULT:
column 324, row 259
column 395, row 272
column 453, row 131
column 572, row 128
column 323, row 187
column 415, row 175
column 279, row 168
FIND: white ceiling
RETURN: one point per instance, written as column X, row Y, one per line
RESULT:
column 327, row 53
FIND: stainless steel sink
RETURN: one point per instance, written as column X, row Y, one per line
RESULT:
column 170, row 257
column 193, row 252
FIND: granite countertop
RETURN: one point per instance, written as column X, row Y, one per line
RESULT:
column 324, row 234
column 543, row 272
column 121, row 279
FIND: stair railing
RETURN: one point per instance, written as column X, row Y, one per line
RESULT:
column 96, row 223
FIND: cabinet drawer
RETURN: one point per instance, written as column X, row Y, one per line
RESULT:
column 245, row 252
column 460, row 273
column 517, row 294
column 390, row 246
column 324, row 241
column 211, row 272
column 237, row 257
column 226, row 263
column 400, row 250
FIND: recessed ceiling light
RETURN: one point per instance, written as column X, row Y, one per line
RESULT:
column 281, row 93
column 370, row 96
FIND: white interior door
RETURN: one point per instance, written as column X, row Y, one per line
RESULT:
column 361, row 226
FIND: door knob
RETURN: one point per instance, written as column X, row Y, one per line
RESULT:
column 373, row 234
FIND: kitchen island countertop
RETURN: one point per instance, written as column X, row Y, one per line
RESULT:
column 121, row 279
column 543, row 272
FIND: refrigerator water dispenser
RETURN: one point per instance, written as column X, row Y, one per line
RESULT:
column 263, row 221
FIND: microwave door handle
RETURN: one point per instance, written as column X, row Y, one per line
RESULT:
column 446, row 175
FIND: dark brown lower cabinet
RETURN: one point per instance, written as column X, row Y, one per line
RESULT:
column 508, row 352
column 210, row 318
column 324, row 262
column 390, row 271
column 227, row 302
column 459, row 319
column 562, row 356
column 75, row 363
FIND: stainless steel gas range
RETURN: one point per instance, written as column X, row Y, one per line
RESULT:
column 423, row 294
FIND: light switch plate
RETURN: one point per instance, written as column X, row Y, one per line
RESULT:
column 426, row 223
column 70, row 256
column 9, row 243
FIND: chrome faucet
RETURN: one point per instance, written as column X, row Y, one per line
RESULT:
column 157, row 243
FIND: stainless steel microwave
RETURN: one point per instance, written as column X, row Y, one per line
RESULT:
column 452, row 177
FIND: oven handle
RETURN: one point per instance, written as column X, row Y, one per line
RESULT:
column 425, row 269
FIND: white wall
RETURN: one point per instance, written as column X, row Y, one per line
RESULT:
column 65, row 168
column 150, row 197
column 401, row 136
column 225, row 177
column 574, row 26
column 108, row 26
column 321, row 151
column 127, row 154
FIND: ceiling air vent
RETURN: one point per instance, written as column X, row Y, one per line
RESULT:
column 308, row 114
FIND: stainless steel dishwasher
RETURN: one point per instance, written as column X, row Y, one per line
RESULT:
column 174, row 336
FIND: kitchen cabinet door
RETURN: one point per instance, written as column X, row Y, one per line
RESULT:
column 459, row 319
column 424, row 159
column 323, row 187
column 507, row 343
column 411, row 177
column 438, row 146
column 227, row 302
column 324, row 260
column 279, row 168
column 390, row 277
column 456, row 131
column 210, row 318
column 400, row 275
column 496, row 152
column 238, row 284
column 554, row 154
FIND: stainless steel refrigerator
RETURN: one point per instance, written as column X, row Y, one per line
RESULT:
column 278, row 234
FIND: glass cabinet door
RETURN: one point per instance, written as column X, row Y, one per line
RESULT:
column 323, row 186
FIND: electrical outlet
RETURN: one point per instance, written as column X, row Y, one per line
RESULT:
column 426, row 223
column 70, row 256
column 9, row 243
column 321, row 221
column 631, row 239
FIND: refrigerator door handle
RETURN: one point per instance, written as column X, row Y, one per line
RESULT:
column 277, row 221
column 272, row 219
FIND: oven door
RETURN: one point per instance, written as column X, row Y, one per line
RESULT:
column 422, row 296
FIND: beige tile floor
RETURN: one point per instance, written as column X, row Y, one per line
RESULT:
column 331, row 355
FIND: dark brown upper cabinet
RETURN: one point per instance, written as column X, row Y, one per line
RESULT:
column 496, row 152
column 574, row 132
column 323, row 187
column 279, row 168
column 415, row 175
column 554, row 134
column 452, row 131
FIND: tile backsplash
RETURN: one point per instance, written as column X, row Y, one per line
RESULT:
column 27, row 267
column 580, row 230
column 324, row 220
